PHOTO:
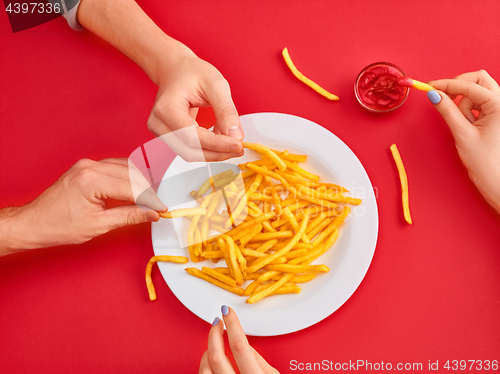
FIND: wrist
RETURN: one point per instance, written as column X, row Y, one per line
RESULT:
column 12, row 238
column 164, row 57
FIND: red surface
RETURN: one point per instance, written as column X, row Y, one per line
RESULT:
column 433, row 289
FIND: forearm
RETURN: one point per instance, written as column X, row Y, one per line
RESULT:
column 123, row 24
column 14, row 233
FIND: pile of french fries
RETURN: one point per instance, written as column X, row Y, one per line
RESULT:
column 283, row 218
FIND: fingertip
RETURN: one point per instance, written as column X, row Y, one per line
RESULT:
column 152, row 216
column 225, row 310
column 216, row 321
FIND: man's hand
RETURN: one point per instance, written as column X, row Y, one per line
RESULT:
column 73, row 209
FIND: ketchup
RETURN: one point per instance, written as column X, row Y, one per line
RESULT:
column 377, row 87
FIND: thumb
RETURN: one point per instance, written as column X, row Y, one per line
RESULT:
column 127, row 215
column 460, row 126
column 228, row 120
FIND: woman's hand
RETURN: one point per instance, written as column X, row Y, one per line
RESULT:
column 477, row 137
column 215, row 361
column 73, row 210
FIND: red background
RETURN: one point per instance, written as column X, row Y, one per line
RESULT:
column 433, row 289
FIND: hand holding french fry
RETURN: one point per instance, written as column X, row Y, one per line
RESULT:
column 477, row 138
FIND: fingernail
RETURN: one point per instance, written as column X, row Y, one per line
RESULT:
column 434, row 97
column 235, row 132
column 216, row 321
column 225, row 310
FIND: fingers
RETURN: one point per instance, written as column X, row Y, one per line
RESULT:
column 489, row 101
column 460, row 127
column 482, row 78
column 228, row 121
column 176, row 116
column 466, row 105
column 129, row 178
column 127, row 215
column 216, row 357
column 242, row 351
column 263, row 363
column 204, row 365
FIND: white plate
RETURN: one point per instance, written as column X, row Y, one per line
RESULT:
column 348, row 259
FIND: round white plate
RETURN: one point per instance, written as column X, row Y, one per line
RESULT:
column 348, row 259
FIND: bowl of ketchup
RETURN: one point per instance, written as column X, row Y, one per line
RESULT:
column 377, row 88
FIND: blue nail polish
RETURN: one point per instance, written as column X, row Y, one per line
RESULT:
column 216, row 321
column 225, row 310
column 434, row 97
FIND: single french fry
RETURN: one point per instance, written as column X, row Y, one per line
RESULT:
column 302, row 278
column 251, row 288
column 183, row 212
column 222, row 270
column 404, row 182
column 252, row 253
column 266, row 151
column 218, row 275
column 212, row 254
column 296, row 269
column 149, row 268
column 293, row 221
column 199, row 274
column 305, row 80
column 266, row 246
column 271, row 235
column 295, row 253
column 238, row 276
column 197, row 242
column 287, row 290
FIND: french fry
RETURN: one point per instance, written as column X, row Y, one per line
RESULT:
column 305, row 80
column 149, row 268
column 404, row 182
column 287, row 268
column 183, row 212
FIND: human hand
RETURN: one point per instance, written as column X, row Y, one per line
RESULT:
column 215, row 361
column 73, row 209
column 187, row 83
column 477, row 138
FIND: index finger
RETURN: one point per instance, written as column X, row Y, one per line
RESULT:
column 488, row 100
column 217, row 359
column 242, row 351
